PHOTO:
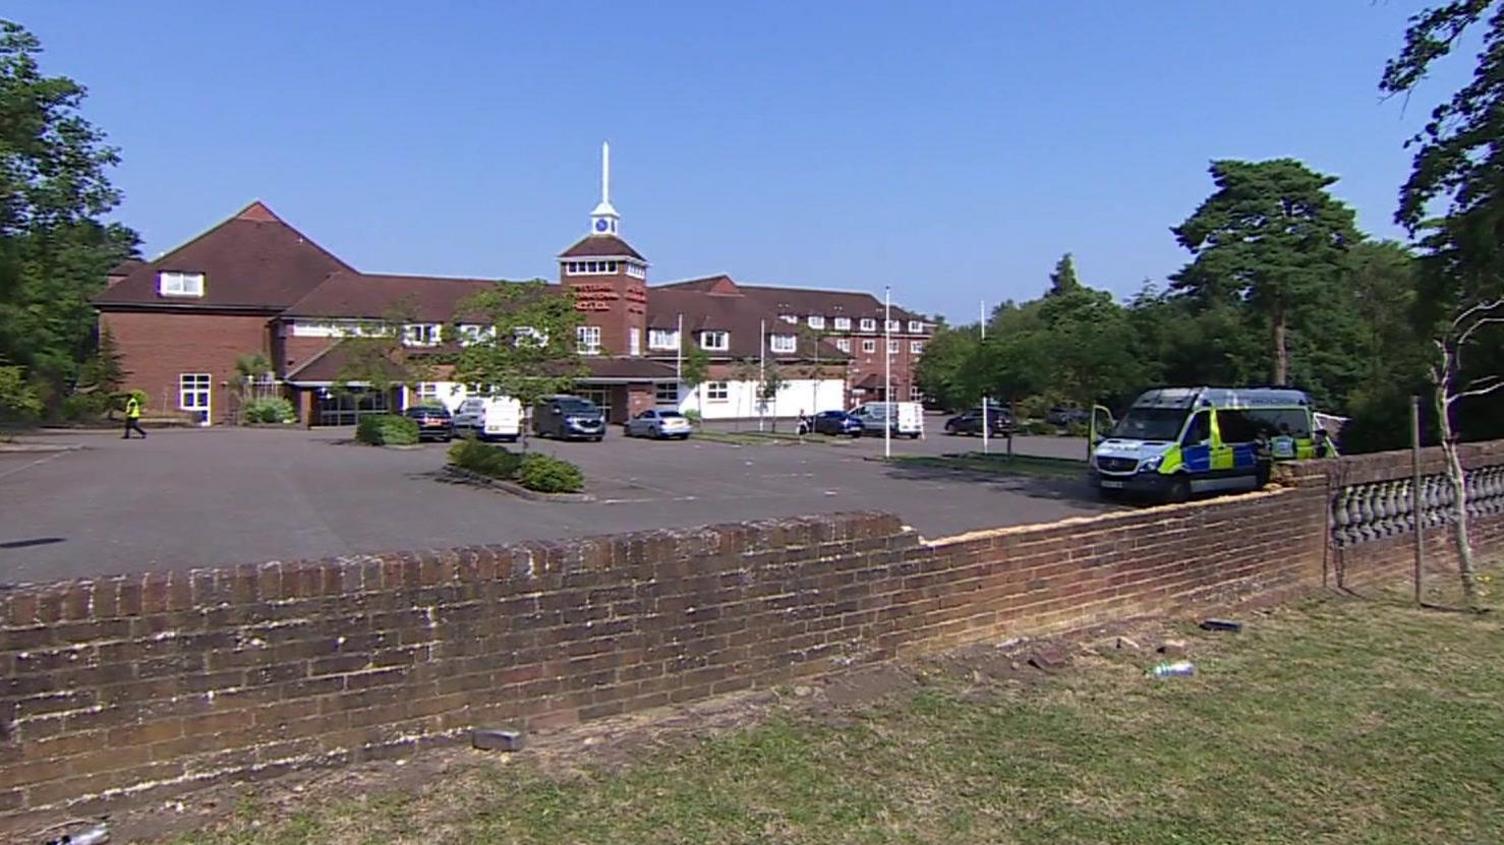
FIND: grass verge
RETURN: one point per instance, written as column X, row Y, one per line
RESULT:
column 999, row 464
column 1331, row 720
column 767, row 438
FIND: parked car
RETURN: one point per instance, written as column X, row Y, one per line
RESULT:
column 836, row 422
column 1063, row 416
column 903, row 419
column 659, row 424
column 999, row 422
column 569, row 418
column 488, row 418
column 434, row 422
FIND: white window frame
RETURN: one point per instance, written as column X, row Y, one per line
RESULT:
column 723, row 337
column 843, row 324
column 717, row 391
column 815, row 321
column 421, row 334
column 869, row 346
column 915, row 326
column 892, row 326
column 196, row 393
column 588, row 339
column 791, row 319
column 915, row 394
column 869, row 324
column 426, row 392
column 893, row 347
column 663, row 339
column 666, row 393
column 634, row 340
column 916, row 347
column 180, row 283
column 844, row 344
column 784, row 344
column 637, row 271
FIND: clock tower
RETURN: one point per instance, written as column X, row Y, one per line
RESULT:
column 608, row 277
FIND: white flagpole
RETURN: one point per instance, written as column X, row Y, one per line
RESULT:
column 983, row 324
column 679, row 360
column 762, row 364
column 891, row 416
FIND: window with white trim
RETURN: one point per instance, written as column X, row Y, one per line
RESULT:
column 869, row 324
column 637, row 271
column 717, row 391
column 420, row 334
column 471, row 333
column 784, row 343
column 666, row 393
column 916, row 326
column 663, row 339
column 816, row 321
column 529, row 336
column 915, row 394
column 715, row 341
column 193, row 391
column 427, row 392
column 589, row 339
column 789, row 318
column 892, row 347
column 916, row 347
column 843, row 344
column 869, row 346
column 892, row 326
column 177, row 283
column 843, row 324
column 634, row 341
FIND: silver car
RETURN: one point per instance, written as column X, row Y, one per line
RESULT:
column 659, row 424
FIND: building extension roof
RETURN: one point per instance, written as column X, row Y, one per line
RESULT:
column 601, row 246
column 253, row 260
column 348, row 294
column 793, row 300
column 743, row 320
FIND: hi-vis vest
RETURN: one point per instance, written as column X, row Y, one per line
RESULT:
column 132, row 408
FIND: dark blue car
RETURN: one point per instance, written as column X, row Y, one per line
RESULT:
column 836, row 422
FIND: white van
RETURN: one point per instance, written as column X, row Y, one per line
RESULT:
column 905, row 419
column 489, row 418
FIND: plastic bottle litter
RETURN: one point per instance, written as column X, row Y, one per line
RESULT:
column 99, row 834
column 1177, row 669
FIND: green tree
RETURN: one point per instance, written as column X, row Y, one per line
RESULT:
column 1452, row 201
column 19, row 402
column 528, row 349
column 942, row 369
column 1063, row 279
column 54, row 248
column 694, row 370
column 1270, row 236
column 378, row 356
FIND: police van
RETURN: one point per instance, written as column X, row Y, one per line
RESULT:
column 1176, row 441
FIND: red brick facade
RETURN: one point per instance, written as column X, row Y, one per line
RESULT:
column 156, row 348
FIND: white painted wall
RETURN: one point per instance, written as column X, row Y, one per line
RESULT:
column 808, row 395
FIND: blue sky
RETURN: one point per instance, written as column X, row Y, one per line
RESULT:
column 952, row 150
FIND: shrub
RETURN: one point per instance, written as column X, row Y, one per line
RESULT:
column 386, row 430
column 693, row 415
column 1078, row 429
column 271, row 410
column 19, row 400
column 493, row 461
column 547, row 474
column 1035, row 427
column 85, row 407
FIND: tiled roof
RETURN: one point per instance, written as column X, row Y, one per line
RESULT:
column 620, row 367
column 369, row 296
column 253, row 260
column 793, row 300
column 600, row 246
column 742, row 318
column 325, row 367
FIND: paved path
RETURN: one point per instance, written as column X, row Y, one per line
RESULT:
column 203, row 497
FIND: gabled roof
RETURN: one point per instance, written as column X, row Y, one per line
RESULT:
column 791, row 300
column 601, row 246
column 325, row 367
column 253, row 260
column 352, row 295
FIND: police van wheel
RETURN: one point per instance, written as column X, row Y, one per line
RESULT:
column 1180, row 490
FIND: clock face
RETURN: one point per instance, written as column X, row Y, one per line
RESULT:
column 601, row 225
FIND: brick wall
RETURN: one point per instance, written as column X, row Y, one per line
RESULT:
column 140, row 686
column 155, row 348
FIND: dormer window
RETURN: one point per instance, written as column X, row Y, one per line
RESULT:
column 915, row 326
column 789, row 318
column 783, row 343
column 421, row 334
column 869, row 324
column 816, row 321
column 177, row 283
column 715, row 341
column 843, row 324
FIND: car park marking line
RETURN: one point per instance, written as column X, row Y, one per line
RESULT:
column 649, row 499
column 31, row 464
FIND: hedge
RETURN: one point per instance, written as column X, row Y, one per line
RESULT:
column 493, row 461
column 547, row 474
column 386, row 430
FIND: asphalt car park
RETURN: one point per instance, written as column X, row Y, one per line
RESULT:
column 192, row 498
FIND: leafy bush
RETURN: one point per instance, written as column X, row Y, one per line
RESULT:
column 493, row 461
column 19, row 400
column 1035, row 427
column 547, row 474
column 1077, row 428
column 386, row 430
column 271, row 410
column 85, row 407
column 693, row 415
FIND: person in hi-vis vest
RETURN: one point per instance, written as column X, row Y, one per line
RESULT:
column 133, row 417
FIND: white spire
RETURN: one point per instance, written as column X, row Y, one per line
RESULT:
column 604, row 220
